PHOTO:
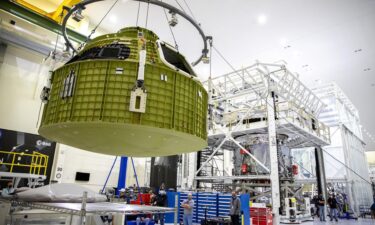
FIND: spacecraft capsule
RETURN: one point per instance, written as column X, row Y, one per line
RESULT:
column 127, row 93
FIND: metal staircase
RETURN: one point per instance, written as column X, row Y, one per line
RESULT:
column 212, row 168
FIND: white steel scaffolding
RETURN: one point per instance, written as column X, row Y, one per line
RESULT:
column 260, row 99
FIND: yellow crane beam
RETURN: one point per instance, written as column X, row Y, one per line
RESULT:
column 32, row 7
column 60, row 9
column 55, row 15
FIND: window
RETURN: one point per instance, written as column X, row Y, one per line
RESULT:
column 68, row 86
column 112, row 51
column 82, row 176
column 109, row 52
column 176, row 59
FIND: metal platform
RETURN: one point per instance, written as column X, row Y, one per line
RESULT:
column 22, row 175
column 74, row 213
column 16, row 177
column 314, row 181
column 298, row 135
column 223, row 178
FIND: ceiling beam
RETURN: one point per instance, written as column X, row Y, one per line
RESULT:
column 39, row 20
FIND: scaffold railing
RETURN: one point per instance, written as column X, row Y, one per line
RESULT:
column 252, row 82
column 35, row 162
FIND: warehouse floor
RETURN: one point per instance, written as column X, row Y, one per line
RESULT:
column 343, row 222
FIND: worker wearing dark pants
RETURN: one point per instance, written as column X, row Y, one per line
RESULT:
column 235, row 209
column 332, row 202
column 161, row 201
column 372, row 208
column 321, row 203
column 142, row 218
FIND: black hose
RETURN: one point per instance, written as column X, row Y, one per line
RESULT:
column 82, row 5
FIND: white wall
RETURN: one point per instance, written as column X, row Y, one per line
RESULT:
column 98, row 165
column 21, row 78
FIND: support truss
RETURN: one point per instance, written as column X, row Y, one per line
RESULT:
column 238, row 98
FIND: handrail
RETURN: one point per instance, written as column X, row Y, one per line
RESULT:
column 37, row 164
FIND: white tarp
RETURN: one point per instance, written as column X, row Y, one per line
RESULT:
column 59, row 193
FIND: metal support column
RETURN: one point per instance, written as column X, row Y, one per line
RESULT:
column 122, row 175
column 135, row 175
column 320, row 172
column 196, row 183
column 275, row 186
column 109, row 175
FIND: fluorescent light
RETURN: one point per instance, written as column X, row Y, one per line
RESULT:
column 262, row 19
column 113, row 19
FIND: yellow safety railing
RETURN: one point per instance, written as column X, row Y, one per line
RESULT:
column 36, row 162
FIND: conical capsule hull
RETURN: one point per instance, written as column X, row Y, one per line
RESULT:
column 91, row 106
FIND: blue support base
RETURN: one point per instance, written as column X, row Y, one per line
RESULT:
column 245, row 209
column 122, row 175
column 169, row 217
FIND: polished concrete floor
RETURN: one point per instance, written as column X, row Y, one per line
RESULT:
column 342, row 222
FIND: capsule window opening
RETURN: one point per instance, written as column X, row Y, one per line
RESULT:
column 68, row 86
column 176, row 59
column 111, row 51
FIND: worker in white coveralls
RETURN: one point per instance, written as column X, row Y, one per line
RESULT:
column 8, row 191
column 188, row 206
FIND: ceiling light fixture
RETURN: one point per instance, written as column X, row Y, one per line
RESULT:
column 262, row 19
column 113, row 19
